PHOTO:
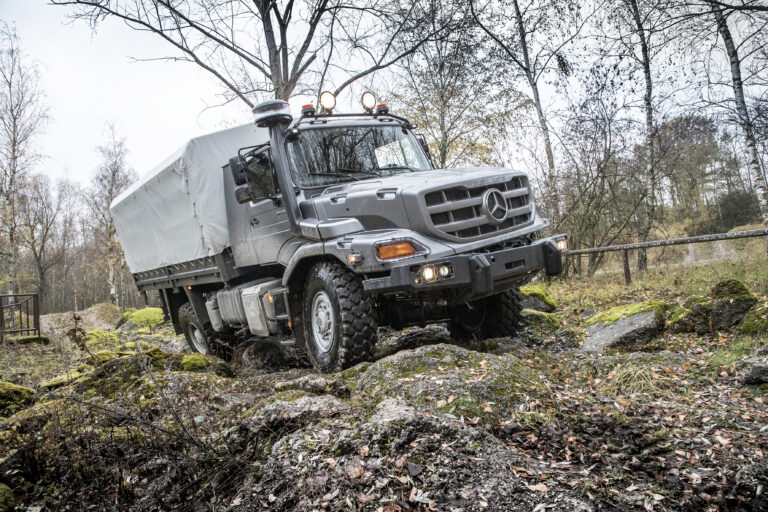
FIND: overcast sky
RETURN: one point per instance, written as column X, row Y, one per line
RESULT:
column 91, row 79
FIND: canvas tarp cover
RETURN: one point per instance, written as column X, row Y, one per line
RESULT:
column 177, row 213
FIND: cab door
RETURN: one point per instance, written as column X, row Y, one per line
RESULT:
column 259, row 226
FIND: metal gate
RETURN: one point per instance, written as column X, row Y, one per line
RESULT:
column 19, row 315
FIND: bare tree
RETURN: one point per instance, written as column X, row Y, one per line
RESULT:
column 744, row 118
column 111, row 178
column 531, row 37
column 270, row 46
column 40, row 207
column 456, row 96
column 22, row 116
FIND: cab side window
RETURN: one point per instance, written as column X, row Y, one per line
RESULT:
column 261, row 175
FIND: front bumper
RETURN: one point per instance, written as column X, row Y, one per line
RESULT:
column 474, row 275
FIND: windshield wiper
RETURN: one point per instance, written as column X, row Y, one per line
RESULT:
column 359, row 171
column 394, row 166
column 334, row 175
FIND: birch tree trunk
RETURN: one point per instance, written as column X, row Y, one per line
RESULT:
column 649, row 204
column 530, row 75
column 744, row 118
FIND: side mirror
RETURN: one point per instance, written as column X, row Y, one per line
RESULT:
column 423, row 143
column 237, row 166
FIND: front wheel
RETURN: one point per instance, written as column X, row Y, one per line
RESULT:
column 496, row 316
column 340, row 330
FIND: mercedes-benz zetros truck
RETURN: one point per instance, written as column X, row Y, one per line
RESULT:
column 315, row 230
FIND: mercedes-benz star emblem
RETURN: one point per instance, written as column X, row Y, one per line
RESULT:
column 495, row 205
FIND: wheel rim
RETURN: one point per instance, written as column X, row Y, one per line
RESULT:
column 198, row 340
column 471, row 317
column 323, row 322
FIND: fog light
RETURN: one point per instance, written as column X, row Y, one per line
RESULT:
column 429, row 274
column 444, row 271
column 562, row 244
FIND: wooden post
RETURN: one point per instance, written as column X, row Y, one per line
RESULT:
column 36, row 310
column 627, row 275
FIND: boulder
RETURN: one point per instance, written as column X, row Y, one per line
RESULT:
column 757, row 375
column 317, row 384
column 14, row 398
column 625, row 327
column 402, row 453
column 756, row 319
column 540, row 321
column 726, row 306
column 281, row 414
column 536, row 297
column 732, row 301
column 450, row 378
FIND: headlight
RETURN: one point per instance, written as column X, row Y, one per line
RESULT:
column 562, row 244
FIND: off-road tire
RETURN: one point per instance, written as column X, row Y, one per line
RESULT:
column 216, row 343
column 354, row 326
column 468, row 321
column 502, row 316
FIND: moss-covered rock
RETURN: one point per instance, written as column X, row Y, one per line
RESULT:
column 23, row 340
column 540, row 321
column 99, row 338
column 659, row 307
column 450, row 378
column 536, row 297
column 143, row 319
column 726, row 306
column 14, row 398
column 7, row 499
column 756, row 320
column 200, row 363
column 692, row 316
column 62, row 380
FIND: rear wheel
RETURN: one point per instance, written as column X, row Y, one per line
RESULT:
column 200, row 337
column 496, row 316
column 339, row 327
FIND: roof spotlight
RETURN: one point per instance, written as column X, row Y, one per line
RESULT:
column 327, row 101
column 369, row 101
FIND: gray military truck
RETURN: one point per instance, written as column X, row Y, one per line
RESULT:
column 317, row 230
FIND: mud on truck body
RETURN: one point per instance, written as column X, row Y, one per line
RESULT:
column 316, row 231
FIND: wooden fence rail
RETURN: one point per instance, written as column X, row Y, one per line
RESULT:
column 663, row 243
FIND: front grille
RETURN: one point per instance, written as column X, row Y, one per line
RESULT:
column 458, row 211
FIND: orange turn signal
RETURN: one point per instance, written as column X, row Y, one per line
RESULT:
column 396, row 250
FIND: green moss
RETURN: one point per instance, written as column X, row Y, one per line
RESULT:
column 740, row 348
column 756, row 321
column 101, row 338
column 103, row 355
column 14, row 398
column 131, row 345
column 61, row 380
column 538, row 291
column 7, row 499
column 617, row 313
column 43, row 340
column 200, row 362
column 146, row 318
column 730, row 289
column 542, row 321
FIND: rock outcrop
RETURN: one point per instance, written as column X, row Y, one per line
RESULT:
column 725, row 306
column 625, row 327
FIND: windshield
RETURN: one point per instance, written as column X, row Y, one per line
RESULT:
column 324, row 156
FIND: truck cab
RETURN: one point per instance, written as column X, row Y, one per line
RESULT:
column 338, row 224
